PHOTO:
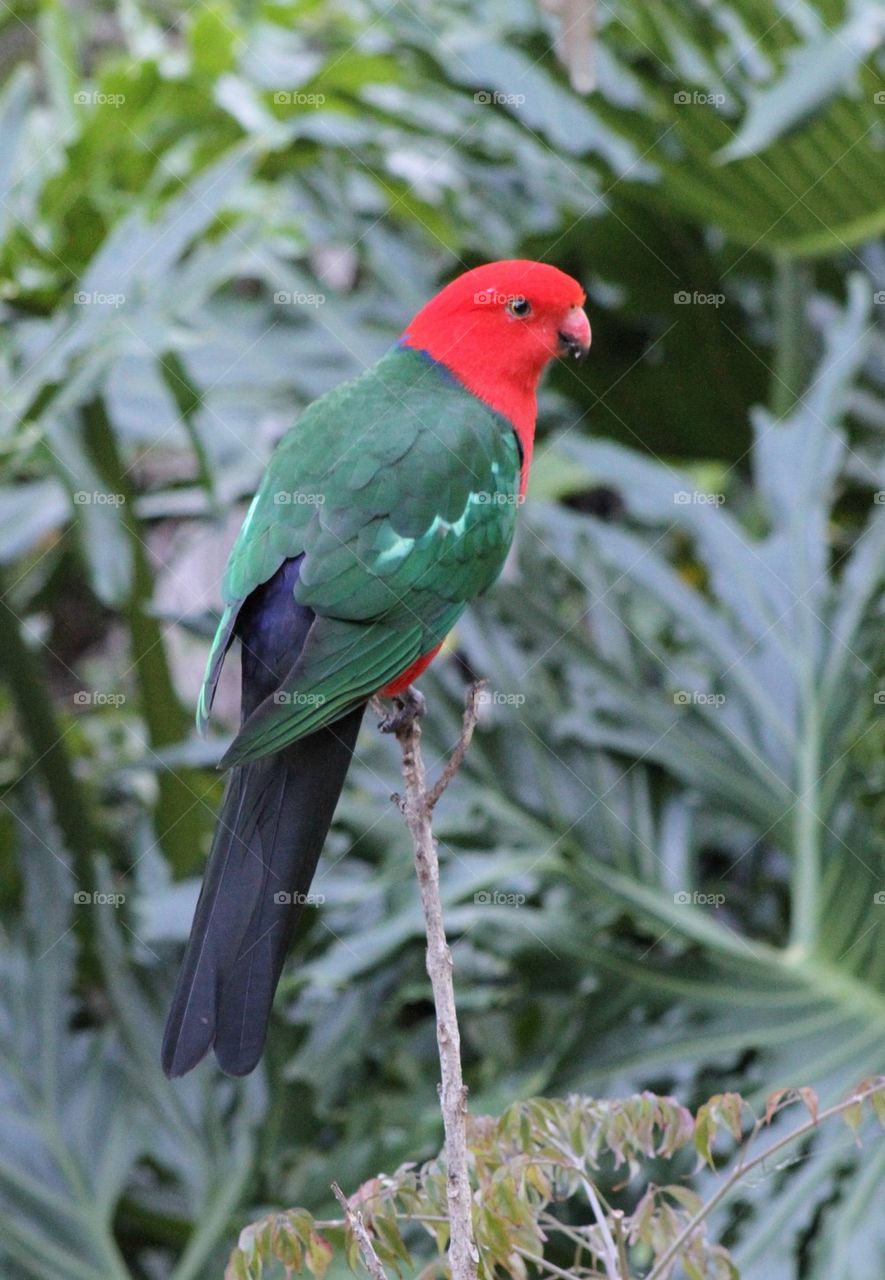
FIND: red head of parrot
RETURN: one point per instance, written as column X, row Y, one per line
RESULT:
column 495, row 328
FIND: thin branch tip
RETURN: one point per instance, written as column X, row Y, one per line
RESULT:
column 469, row 721
column 354, row 1220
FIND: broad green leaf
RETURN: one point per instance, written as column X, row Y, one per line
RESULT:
column 815, row 74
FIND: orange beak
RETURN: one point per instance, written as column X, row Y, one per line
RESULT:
column 574, row 334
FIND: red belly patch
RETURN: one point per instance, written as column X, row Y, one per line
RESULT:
column 411, row 673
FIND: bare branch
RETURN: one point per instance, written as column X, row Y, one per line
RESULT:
column 417, row 807
column 620, row 1239
column 354, row 1219
column 455, row 760
column 609, row 1249
column 610, row 1253
column 544, row 1264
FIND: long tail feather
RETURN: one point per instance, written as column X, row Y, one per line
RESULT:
column 273, row 822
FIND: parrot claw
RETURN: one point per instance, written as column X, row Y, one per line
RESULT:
column 410, row 706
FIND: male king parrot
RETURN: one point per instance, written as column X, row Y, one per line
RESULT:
column 383, row 512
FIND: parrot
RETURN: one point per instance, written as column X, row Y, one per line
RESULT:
column 383, row 512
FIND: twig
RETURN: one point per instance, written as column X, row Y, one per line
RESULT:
column 417, row 807
column 547, row 1219
column 609, row 1251
column 618, row 1219
column 544, row 1264
column 456, row 759
column 354, row 1219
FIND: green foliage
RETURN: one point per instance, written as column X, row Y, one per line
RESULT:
column 806, row 87
column 531, row 1169
column 663, row 859
column 100, row 1151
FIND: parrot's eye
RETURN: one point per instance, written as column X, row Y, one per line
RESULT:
column 520, row 307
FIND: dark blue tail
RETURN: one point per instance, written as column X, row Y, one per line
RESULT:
column 273, row 822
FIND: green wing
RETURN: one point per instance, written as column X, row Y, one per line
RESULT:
column 399, row 490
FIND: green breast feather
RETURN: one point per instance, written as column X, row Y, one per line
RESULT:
column 400, row 490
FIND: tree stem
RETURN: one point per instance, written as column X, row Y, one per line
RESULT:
column 417, row 807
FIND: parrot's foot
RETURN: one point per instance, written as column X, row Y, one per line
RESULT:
column 410, row 706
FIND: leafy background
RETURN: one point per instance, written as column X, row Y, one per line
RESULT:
column 680, row 773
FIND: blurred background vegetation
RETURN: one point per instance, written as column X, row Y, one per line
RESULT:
column 209, row 215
